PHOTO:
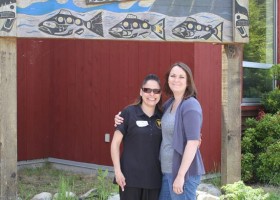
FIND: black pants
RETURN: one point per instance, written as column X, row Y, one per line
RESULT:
column 131, row 193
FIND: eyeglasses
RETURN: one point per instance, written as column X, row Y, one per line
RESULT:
column 149, row 90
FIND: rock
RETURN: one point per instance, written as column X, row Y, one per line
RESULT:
column 205, row 196
column 67, row 194
column 114, row 197
column 209, row 188
column 42, row 196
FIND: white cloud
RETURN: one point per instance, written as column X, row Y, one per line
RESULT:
column 143, row 3
column 82, row 4
column 147, row 3
column 126, row 5
column 61, row 1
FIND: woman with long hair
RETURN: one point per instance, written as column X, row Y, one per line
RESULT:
column 137, row 169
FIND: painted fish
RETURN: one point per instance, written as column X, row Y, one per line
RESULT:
column 64, row 23
column 191, row 29
column 132, row 27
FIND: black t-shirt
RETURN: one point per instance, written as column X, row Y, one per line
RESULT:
column 141, row 144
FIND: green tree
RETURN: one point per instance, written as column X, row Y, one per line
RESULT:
column 259, row 49
column 255, row 50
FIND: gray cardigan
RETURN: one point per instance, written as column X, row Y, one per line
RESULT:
column 188, row 123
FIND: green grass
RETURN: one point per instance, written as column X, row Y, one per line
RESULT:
column 216, row 181
column 32, row 181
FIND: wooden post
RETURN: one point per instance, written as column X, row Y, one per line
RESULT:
column 232, row 56
column 8, row 119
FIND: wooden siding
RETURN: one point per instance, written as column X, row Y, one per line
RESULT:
column 207, row 73
column 70, row 90
column 34, row 61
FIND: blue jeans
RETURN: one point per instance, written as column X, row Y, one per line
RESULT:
column 189, row 193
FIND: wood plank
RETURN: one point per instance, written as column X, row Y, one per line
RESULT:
column 8, row 119
column 231, row 113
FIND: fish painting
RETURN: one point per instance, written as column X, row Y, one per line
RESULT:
column 241, row 19
column 8, row 14
column 191, row 29
column 64, row 24
column 132, row 27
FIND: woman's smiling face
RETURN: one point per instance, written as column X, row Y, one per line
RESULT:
column 149, row 93
column 177, row 80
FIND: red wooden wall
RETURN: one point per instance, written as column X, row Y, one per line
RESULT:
column 70, row 90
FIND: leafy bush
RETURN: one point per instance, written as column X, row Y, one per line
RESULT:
column 249, row 140
column 247, row 163
column 269, row 169
column 239, row 191
column 271, row 101
column 261, row 149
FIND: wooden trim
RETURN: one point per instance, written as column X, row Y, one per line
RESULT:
column 231, row 113
column 8, row 122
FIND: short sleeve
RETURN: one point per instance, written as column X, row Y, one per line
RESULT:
column 123, row 127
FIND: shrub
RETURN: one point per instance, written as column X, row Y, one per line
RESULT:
column 259, row 143
column 271, row 101
column 249, row 140
column 247, row 163
column 239, row 191
column 269, row 169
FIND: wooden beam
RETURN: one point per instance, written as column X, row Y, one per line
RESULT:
column 8, row 119
column 231, row 113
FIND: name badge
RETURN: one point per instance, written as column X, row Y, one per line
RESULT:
column 142, row 123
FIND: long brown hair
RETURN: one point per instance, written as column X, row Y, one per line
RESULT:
column 191, row 88
column 149, row 77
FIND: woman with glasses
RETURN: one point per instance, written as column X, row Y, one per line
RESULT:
column 181, row 161
column 137, row 170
